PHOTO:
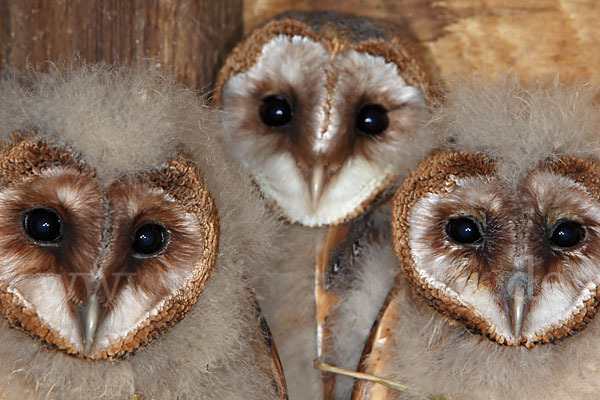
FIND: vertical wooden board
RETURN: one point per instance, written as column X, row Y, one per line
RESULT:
column 187, row 37
column 534, row 38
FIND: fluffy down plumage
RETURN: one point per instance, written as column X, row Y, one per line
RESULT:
column 519, row 125
column 287, row 299
column 121, row 121
column 519, row 128
column 366, row 273
column 362, row 291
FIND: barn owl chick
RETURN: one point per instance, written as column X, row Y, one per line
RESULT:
column 498, row 239
column 324, row 112
column 123, row 261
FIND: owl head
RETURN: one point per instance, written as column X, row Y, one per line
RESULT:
column 324, row 112
column 101, row 252
column 501, row 230
column 124, row 243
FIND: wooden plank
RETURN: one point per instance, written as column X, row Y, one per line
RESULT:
column 534, row 38
column 374, row 359
column 188, row 37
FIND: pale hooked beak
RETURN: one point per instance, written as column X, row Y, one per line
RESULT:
column 317, row 178
column 518, row 300
column 517, row 310
column 90, row 315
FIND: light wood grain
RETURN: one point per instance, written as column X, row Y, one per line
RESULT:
column 534, row 38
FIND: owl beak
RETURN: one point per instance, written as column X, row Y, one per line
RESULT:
column 89, row 316
column 317, row 178
column 518, row 304
column 517, row 310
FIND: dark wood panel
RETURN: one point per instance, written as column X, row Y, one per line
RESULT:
column 188, row 37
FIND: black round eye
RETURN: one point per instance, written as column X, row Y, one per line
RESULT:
column 567, row 234
column 372, row 120
column 149, row 239
column 43, row 225
column 463, row 230
column 275, row 110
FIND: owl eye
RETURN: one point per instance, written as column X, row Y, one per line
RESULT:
column 567, row 234
column 371, row 120
column 275, row 110
column 149, row 240
column 463, row 230
column 43, row 225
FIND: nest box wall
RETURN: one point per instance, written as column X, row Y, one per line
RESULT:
column 532, row 37
column 189, row 38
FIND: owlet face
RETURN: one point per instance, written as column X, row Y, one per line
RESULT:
column 319, row 116
column 520, row 263
column 98, row 270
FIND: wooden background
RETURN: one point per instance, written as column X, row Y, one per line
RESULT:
column 191, row 37
column 531, row 37
column 187, row 37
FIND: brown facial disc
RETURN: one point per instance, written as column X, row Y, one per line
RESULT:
column 396, row 50
column 182, row 182
column 433, row 176
column 96, row 245
column 439, row 174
